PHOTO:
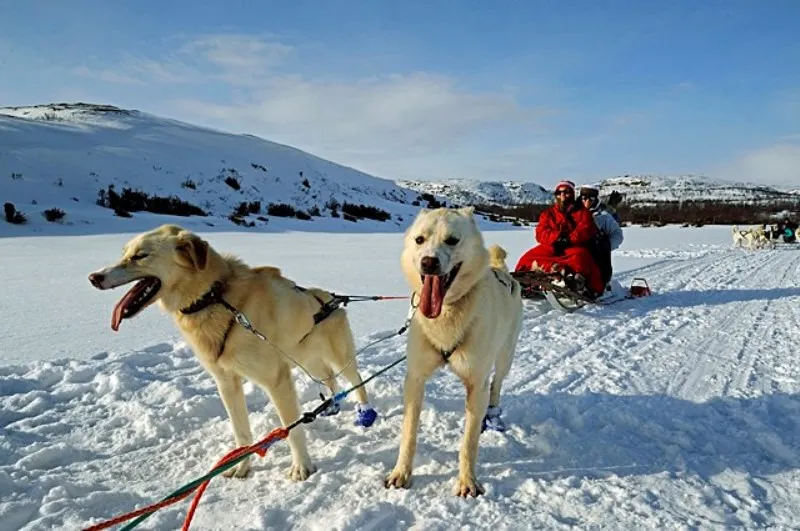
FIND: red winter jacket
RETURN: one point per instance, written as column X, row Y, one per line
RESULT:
column 576, row 222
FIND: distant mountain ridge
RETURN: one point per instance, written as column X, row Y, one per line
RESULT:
column 642, row 189
column 463, row 191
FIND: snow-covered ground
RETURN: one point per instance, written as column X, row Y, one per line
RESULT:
column 680, row 410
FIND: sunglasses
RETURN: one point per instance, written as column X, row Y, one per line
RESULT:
column 588, row 197
column 563, row 191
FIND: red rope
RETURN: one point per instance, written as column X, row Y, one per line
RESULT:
column 138, row 512
column 259, row 448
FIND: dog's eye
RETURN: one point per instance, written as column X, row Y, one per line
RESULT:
column 420, row 240
column 452, row 240
column 138, row 256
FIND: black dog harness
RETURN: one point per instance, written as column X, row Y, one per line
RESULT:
column 214, row 296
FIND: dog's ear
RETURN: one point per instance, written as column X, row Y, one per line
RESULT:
column 193, row 249
column 469, row 213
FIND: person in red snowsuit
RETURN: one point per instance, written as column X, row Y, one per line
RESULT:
column 563, row 232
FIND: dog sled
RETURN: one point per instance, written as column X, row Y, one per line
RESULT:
column 567, row 294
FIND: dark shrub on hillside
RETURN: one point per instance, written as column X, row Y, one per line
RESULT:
column 241, row 221
column 365, row 211
column 244, row 208
column 526, row 212
column 13, row 215
column 705, row 212
column 314, row 211
column 281, row 210
column 302, row 215
column 139, row 201
column 693, row 213
column 233, row 182
column 54, row 214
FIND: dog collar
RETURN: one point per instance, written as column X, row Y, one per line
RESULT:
column 211, row 297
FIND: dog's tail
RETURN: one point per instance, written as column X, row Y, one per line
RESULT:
column 497, row 257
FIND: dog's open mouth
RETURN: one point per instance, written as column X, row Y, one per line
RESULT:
column 434, row 288
column 135, row 300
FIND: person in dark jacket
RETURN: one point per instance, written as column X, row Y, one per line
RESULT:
column 609, row 236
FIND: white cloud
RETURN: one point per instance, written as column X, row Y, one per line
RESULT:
column 229, row 58
column 417, row 111
column 415, row 124
column 778, row 164
column 237, row 54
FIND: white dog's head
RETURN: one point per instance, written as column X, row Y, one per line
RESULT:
column 443, row 257
column 161, row 260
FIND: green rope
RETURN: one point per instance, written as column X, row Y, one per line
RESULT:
column 306, row 418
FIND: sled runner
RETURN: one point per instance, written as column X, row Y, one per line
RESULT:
column 566, row 293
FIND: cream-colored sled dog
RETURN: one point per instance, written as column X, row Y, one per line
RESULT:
column 192, row 282
column 469, row 317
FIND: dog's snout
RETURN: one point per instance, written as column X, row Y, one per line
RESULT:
column 97, row 279
column 430, row 265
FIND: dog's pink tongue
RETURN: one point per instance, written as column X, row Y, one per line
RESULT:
column 116, row 316
column 430, row 301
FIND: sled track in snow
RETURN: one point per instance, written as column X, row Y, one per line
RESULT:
column 709, row 323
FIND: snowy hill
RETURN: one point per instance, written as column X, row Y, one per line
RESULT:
column 467, row 192
column 652, row 189
column 62, row 156
column 636, row 188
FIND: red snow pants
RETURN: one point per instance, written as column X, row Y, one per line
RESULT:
column 574, row 259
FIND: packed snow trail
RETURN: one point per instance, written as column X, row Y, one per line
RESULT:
column 678, row 410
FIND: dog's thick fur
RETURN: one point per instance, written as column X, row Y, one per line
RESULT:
column 187, row 267
column 480, row 322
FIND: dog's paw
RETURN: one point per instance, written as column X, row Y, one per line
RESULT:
column 300, row 472
column 400, row 478
column 468, row 486
column 492, row 420
column 241, row 471
column 365, row 416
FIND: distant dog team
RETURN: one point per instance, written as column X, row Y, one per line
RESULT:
column 468, row 317
column 752, row 238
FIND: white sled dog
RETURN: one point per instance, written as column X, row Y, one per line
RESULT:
column 193, row 283
column 469, row 317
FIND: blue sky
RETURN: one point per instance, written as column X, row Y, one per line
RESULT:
column 524, row 90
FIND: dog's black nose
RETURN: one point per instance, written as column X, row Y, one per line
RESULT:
column 430, row 265
column 97, row 279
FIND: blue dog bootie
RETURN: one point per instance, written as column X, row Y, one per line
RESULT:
column 365, row 415
column 492, row 420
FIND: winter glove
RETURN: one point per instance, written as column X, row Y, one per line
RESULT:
column 560, row 244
